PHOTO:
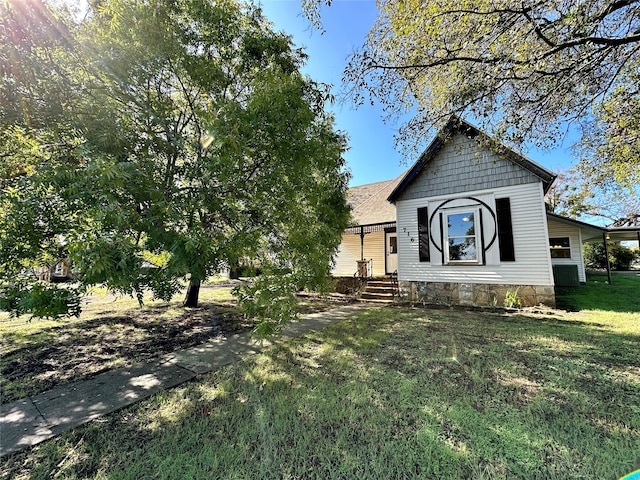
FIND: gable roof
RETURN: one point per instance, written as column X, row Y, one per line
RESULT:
column 588, row 231
column 457, row 125
column 369, row 203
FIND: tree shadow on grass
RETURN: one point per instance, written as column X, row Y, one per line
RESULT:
column 68, row 352
column 391, row 393
column 71, row 351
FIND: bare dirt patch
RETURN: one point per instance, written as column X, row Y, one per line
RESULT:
column 118, row 334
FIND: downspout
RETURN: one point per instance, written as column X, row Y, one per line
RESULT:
column 606, row 254
column 361, row 242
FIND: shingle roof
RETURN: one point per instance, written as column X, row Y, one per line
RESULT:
column 369, row 202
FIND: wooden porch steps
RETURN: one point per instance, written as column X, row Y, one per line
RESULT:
column 378, row 291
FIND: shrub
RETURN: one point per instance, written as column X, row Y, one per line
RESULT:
column 620, row 257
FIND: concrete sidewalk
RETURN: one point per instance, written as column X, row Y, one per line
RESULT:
column 29, row 421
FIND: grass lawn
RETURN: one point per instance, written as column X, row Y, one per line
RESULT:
column 38, row 354
column 390, row 393
column 623, row 295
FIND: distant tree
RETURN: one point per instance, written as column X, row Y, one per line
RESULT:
column 573, row 195
column 620, row 257
column 192, row 141
column 566, row 196
column 631, row 220
column 610, row 148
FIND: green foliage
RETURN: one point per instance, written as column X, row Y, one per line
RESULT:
column 575, row 194
column 568, row 198
column 620, row 257
column 594, row 255
column 512, row 300
column 271, row 300
column 623, row 257
column 185, row 133
column 523, row 72
column 40, row 299
column 610, row 148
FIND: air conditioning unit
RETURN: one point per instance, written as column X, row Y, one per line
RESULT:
column 566, row 275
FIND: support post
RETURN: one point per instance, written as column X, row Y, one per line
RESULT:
column 606, row 254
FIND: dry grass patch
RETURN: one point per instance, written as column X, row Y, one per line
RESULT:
column 112, row 332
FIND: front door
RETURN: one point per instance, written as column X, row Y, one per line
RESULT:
column 391, row 247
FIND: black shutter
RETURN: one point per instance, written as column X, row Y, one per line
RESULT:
column 444, row 260
column 505, row 231
column 423, row 233
column 483, row 248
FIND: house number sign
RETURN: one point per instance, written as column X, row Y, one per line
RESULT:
column 404, row 229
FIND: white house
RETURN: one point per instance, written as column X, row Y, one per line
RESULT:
column 469, row 225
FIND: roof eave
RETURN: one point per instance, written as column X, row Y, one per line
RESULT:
column 426, row 156
column 457, row 125
column 596, row 231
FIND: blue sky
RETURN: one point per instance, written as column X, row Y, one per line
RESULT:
column 372, row 156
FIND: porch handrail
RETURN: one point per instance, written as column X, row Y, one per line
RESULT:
column 396, row 287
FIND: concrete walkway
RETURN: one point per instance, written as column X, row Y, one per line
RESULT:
column 32, row 420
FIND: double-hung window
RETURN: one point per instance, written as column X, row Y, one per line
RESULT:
column 461, row 232
column 560, row 247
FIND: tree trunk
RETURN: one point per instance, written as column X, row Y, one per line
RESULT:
column 193, row 290
column 234, row 271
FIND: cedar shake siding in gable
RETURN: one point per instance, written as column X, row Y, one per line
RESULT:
column 462, row 165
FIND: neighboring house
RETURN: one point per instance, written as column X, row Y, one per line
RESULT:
column 469, row 225
column 60, row 272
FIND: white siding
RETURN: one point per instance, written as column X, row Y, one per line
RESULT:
column 349, row 253
column 529, row 222
column 558, row 229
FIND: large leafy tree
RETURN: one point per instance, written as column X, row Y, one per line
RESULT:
column 610, row 150
column 522, row 70
column 35, row 139
column 191, row 141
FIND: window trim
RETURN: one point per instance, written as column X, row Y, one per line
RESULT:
column 477, row 223
column 553, row 248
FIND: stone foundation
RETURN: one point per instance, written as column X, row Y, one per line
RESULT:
column 343, row 284
column 475, row 294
